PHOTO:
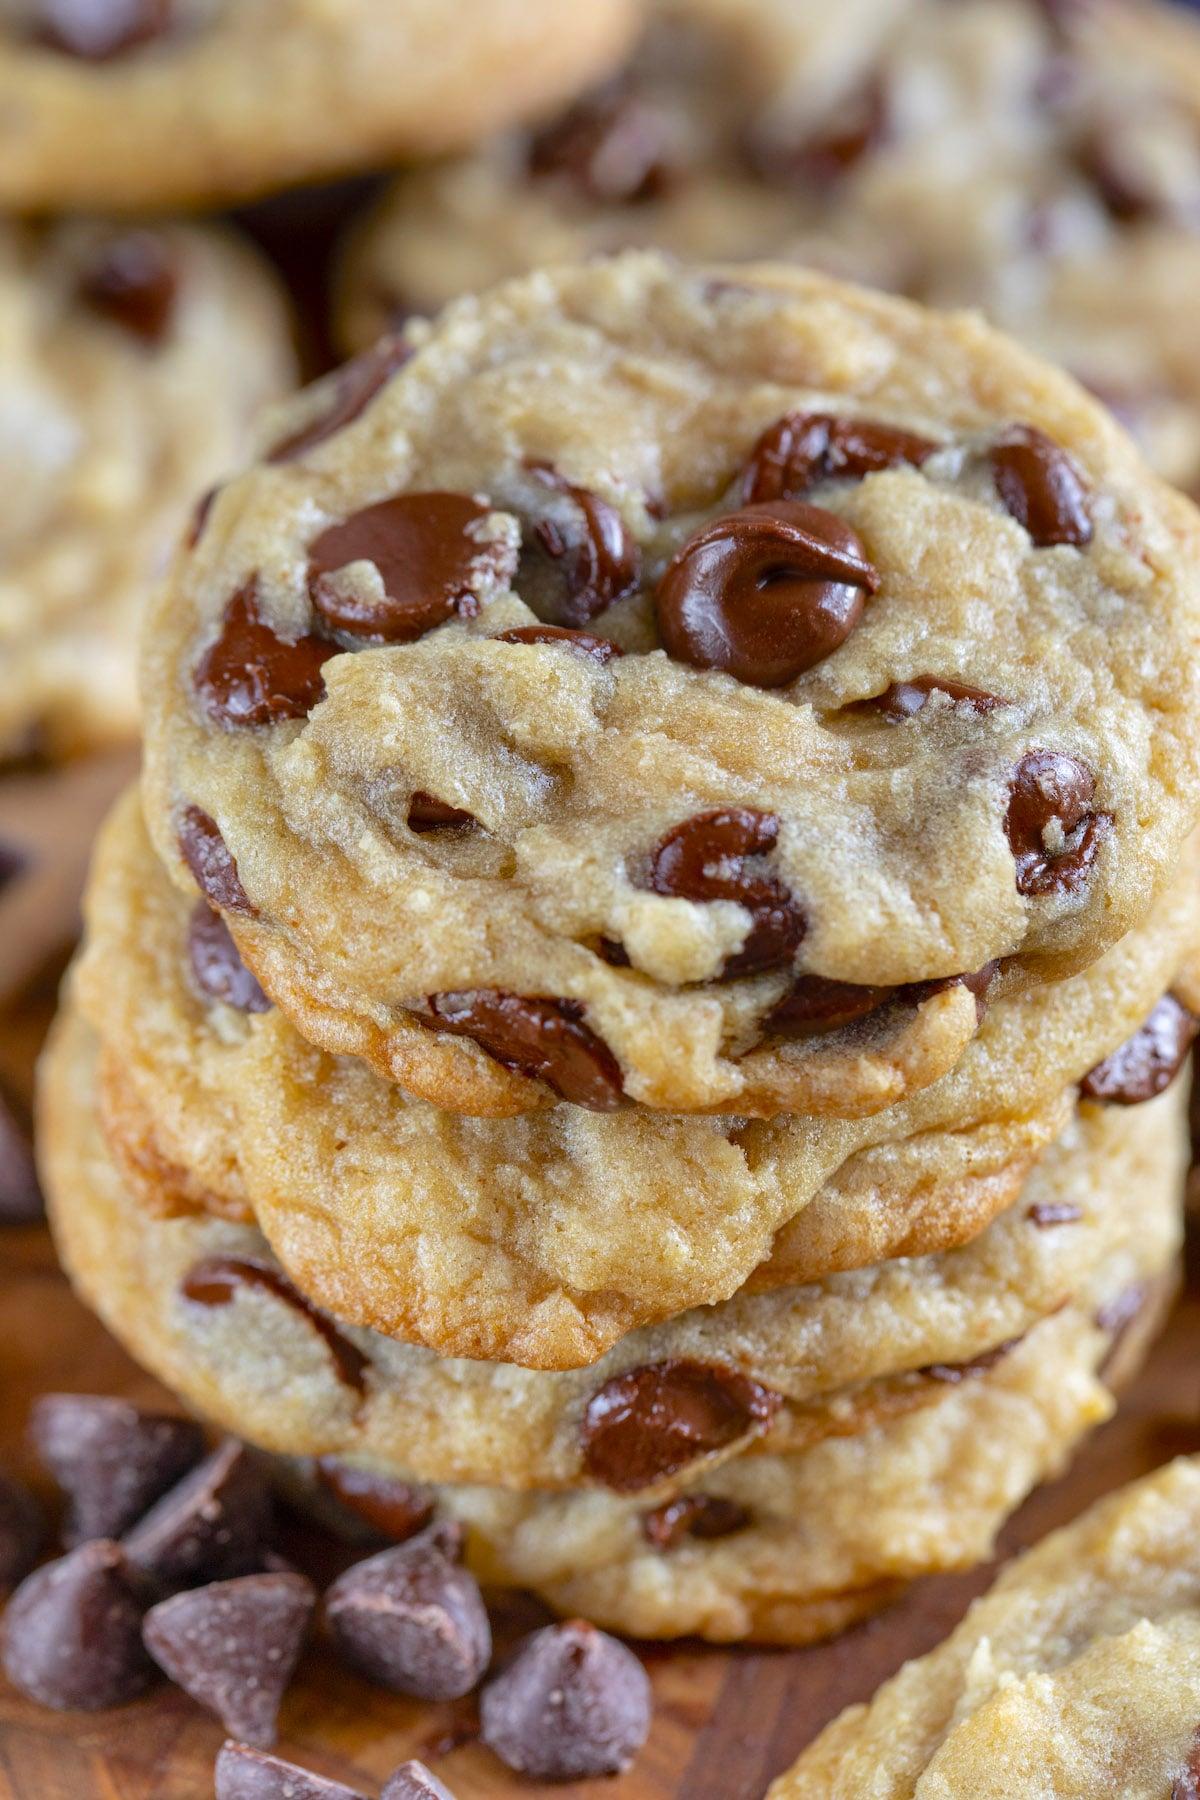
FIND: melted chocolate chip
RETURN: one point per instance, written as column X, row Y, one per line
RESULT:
column 413, row 1781
column 133, row 280
column 613, row 147
column 1042, row 487
column 802, row 449
column 1053, row 834
column 427, row 566
column 412, row 1618
column 651, row 1422
column 350, row 392
column 214, row 870
column 601, row 650
column 73, row 1632
column 764, row 593
column 584, row 546
column 22, row 1532
column 905, row 698
column 824, row 156
column 21, row 1200
column 393, row 1508
column 218, row 1280
column 814, row 1004
column 1148, row 1062
column 571, row 1704
column 692, row 1515
column 217, row 968
column 1047, row 1213
column 717, row 856
column 613, row 953
column 544, row 1039
column 252, row 676
column 233, row 1646
column 246, row 1774
column 427, row 813
column 112, row 1459
column 97, row 30
column 210, row 1526
column 954, row 1373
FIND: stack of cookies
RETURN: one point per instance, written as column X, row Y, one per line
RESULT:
column 636, row 1004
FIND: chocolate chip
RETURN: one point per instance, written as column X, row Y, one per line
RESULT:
column 1041, row 486
column 73, row 1631
column 412, row 1619
column 133, row 280
column 815, row 1004
column 96, row 30
column 217, row 1281
column 718, row 856
column 1047, row 1213
column 591, row 555
column 217, row 967
column 1148, row 1062
column 246, row 1774
column 904, row 698
column 252, row 676
column 14, row 862
column 393, row 1508
column 112, row 1459
column 544, row 1039
column 1053, row 835
column 22, row 1532
column 802, row 449
column 1186, row 1785
column 953, row 1374
column 350, row 392
column 212, row 1525
column 427, row 813
column 601, row 650
column 413, row 1781
column 764, row 593
column 572, row 1703
column 613, row 953
column 692, row 1515
column 824, row 156
column 214, row 870
column 651, row 1422
column 612, row 146
column 233, row 1646
column 21, row 1200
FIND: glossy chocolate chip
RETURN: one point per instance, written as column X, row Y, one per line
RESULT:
column 97, row 30
column 653, row 1421
column 1042, row 487
column 814, row 1004
column 702, row 1516
column 22, row 1532
column 218, row 1280
column 412, row 1618
column 112, row 1459
column 210, row 1526
column 764, row 593
column 544, row 1039
column 217, row 968
column 213, row 868
column 1045, row 1214
column 243, row 1773
column 579, row 557
column 718, row 856
column 73, row 1631
column 133, row 280
column 802, row 449
column 427, row 813
column 21, row 1200
column 395, row 1509
column 252, row 676
column 613, row 147
column 1052, row 831
column 233, row 1646
column 426, row 568
column 1148, row 1062
column 905, row 698
column 413, row 1781
column 349, row 393
column 571, row 1704
column 601, row 650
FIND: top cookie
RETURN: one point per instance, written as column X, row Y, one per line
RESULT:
column 883, row 671
column 140, row 103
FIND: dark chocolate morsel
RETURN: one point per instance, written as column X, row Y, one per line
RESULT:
column 1041, row 485
column 427, row 813
column 112, row 1459
column 653, row 1421
column 904, row 698
column 233, row 1646
column 97, row 30
column 1050, row 793
column 213, row 868
column 1148, row 1062
column 217, row 967
column 243, row 1773
column 413, row 1781
column 571, row 1704
column 612, row 146
column 952, row 1374
column 544, row 1039
column 802, row 449
column 210, row 1526
column 764, row 593
column 601, row 650
column 21, row 1200
column 350, row 391
column 22, row 1532
column 73, row 1631
column 133, row 280
column 394, row 1508
column 815, row 1004
column 252, row 676
column 1047, row 1213
column 692, row 1515
column 588, row 547
column 217, row 1281
column 718, row 855
column 412, row 1619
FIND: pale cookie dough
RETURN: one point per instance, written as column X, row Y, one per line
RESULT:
column 1077, row 1675
column 132, row 364
column 740, row 844
column 133, row 104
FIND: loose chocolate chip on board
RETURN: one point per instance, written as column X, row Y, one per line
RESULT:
column 21, row 1200
column 217, row 1281
column 393, row 1508
column 571, row 1704
column 1053, row 834
column 764, row 593
column 814, row 1004
column 717, row 856
column 587, row 548
column 905, row 698
column 692, row 1515
column 1042, row 487
column 413, row 1781
column 601, row 650
column 412, row 1618
column 233, row 1646
column 243, row 1773
column 22, row 1532
column 349, row 392
column 427, row 813
column 210, row 1526
column 651, row 1422
column 112, row 1459
column 544, row 1039
column 1148, row 1062
column 96, row 30
column 802, row 449
column 73, row 1631
column 133, row 280
column 217, row 968
column 213, row 868
column 252, row 676
column 613, row 146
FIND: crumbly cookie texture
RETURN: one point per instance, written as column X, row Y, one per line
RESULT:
column 132, row 363
column 1078, row 1674
column 541, row 1240
column 1039, row 162
column 753, row 840
column 135, row 104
